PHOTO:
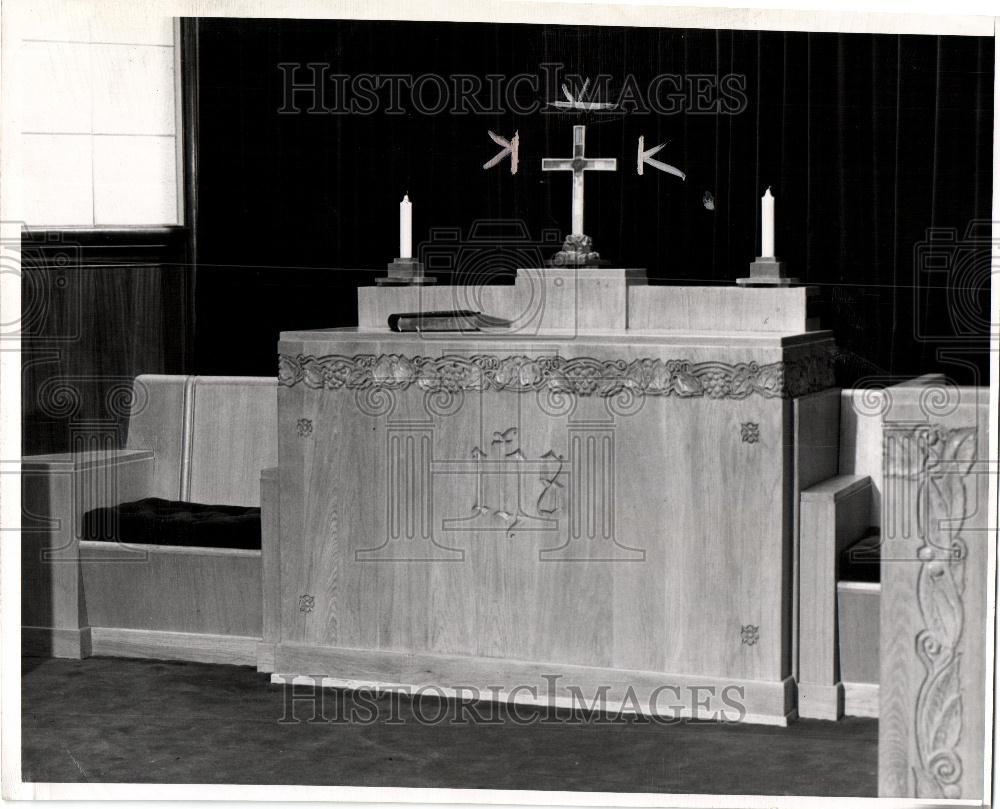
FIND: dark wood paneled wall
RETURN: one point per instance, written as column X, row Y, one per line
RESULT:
column 98, row 308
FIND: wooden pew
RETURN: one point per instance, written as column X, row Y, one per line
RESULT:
column 858, row 639
column 837, row 626
column 194, row 439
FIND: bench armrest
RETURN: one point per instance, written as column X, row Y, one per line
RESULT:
column 58, row 489
column 832, row 515
column 83, row 460
column 846, row 501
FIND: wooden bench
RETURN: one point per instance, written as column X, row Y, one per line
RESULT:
column 839, row 536
column 838, row 504
column 195, row 439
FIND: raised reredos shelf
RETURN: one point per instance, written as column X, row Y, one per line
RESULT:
column 595, row 300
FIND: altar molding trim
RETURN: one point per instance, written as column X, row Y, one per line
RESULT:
column 581, row 376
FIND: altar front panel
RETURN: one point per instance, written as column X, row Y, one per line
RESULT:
column 569, row 511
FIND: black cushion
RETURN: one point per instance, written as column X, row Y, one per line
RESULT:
column 166, row 522
column 862, row 560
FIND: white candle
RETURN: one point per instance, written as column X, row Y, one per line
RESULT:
column 406, row 227
column 767, row 225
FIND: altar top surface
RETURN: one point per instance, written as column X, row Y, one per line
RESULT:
column 562, row 340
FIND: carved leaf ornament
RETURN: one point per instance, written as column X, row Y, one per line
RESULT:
column 939, row 461
column 583, row 376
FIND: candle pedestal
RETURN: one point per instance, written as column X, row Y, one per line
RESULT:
column 405, row 272
column 767, row 271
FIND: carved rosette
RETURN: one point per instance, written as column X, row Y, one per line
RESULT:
column 939, row 461
column 581, row 376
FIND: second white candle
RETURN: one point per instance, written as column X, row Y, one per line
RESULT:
column 406, row 227
column 767, row 225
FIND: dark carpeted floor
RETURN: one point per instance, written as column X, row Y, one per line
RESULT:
column 114, row 720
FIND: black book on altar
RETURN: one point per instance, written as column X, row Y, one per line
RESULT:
column 446, row 320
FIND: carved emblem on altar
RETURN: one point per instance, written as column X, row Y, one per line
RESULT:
column 561, row 502
column 503, row 492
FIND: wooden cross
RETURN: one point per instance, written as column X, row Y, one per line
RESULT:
column 578, row 164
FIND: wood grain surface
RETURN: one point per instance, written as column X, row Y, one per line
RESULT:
column 424, row 524
column 858, row 630
column 524, row 682
column 232, row 438
column 591, row 300
column 934, row 593
column 156, row 645
column 56, row 490
column 214, row 591
column 270, row 559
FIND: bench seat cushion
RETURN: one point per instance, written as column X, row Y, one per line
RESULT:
column 154, row 521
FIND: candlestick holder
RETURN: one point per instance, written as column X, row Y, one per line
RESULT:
column 405, row 272
column 767, row 271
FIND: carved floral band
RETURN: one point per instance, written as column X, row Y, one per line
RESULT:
column 583, row 376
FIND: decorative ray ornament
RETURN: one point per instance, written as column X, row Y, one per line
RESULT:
column 578, row 103
column 509, row 148
column 646, row 156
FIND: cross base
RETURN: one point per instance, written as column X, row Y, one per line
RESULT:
column 577, row 251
